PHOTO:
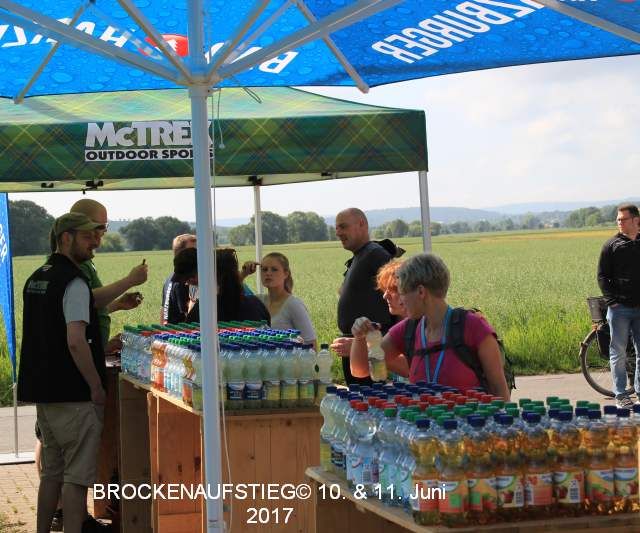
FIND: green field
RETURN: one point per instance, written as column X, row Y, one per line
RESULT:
column 532, row 287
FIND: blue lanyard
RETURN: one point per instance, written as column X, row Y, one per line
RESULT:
column 423, row 335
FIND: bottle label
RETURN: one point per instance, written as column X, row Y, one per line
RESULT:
column 271, row 391
column 289, row 390
column 405, row 484
column 626, row 481
column 337, row 458
column 510, row 492
column 306, row 390
column 482, row 494
column 569, row 486
column 538, row 489
column 424, row 498
column 599, row 485
column 326, row 452
column 253, row 391
column 456, row 494
column 235, row 391
column 364, row 470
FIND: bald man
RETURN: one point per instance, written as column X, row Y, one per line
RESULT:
column 359, row 295
column 112, row 297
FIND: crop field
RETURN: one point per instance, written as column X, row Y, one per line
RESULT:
column 532, row 286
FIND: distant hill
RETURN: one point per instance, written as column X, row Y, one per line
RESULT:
column 446, row 215
column 541, row 207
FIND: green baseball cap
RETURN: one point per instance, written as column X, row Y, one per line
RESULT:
column 74, row 222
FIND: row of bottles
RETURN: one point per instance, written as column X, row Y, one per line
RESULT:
column 259, row 367
column 474, row 459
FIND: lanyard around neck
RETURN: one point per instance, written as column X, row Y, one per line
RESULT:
column 423, row 335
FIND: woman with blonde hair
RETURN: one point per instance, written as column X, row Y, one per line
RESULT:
column 287, row 311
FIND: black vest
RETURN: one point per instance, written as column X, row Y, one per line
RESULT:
column 47, row 372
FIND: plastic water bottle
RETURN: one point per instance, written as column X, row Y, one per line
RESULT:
column 387, row 455
column 377, row 366
column 271, row 362
column 306, row 375
column 253, row 375
column 289, row 369
column 364, row 468
column 235, row 380
column 324, row 360
column 328, row 427
column 338, row 456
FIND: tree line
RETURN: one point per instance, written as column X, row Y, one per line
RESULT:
column 30, row 225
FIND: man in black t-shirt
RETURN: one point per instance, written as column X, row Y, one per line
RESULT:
column 358, row 293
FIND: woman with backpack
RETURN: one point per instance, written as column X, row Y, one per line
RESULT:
column 436, row 343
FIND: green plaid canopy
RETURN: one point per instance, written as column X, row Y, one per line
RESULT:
column 142, row 140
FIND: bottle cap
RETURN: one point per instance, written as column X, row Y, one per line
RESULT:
column 582, row 411
column 623, row 413
column 505, row 420
column 324, row 346
column 423, row 422
column 450, row 424
column 565, row 416
column 610, row 410
column 594, row 414
column 332, row 389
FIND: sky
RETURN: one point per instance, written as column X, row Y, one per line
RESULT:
column 539, row 133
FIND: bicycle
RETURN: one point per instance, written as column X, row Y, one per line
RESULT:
column 594, row 351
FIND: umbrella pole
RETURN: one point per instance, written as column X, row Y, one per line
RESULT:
column 424, row 211
column 207, row 286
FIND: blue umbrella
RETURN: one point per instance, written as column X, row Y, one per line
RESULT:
column 69, row 46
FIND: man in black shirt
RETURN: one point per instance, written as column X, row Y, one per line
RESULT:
column 619, row 280
column 62, row 371
column 358, row 294
column 175, row 294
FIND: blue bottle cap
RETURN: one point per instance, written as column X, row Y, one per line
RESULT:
column 505, row 420
column 332, row 389
column 582, row 411
column 594, row 414
column 565, row 416
column 610, row 410
column 423, row 423
column 623, row 413
column 450, row 424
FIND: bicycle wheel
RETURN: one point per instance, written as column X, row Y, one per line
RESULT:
column 596, row 369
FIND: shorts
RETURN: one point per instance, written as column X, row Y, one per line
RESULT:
column 71, row 434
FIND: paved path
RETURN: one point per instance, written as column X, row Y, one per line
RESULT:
column 19, row 483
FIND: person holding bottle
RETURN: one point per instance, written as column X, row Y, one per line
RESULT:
column 423, row 282
column 287, row 311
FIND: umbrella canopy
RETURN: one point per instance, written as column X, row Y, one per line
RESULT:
column 312, row 42
column 141, row 139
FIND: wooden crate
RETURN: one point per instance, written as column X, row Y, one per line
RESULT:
column 161, row 442
column 346, row 514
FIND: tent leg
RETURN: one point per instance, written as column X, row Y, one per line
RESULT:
column 15, row 419
column 258, row 232
column 424, row 211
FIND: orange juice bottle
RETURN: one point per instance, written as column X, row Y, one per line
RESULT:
column 481, row 476
column 451, row 457
column 509, row 472
column 538, row 474
column 598, row 473
column 625, row 467
column 425, row 499
column 568, row 474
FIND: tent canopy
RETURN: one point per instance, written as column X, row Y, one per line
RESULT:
column 142, row 140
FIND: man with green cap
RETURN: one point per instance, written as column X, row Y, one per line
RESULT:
column 62, row 371
column 112, row 297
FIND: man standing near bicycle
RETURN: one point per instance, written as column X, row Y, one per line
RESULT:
column 619, row 280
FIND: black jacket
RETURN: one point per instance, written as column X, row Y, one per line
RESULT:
column 48, row 373
column 619, row 271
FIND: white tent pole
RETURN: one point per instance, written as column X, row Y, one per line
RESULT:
column 206, row 268
column 15, row 419
column 258, row 230
column 424, row 211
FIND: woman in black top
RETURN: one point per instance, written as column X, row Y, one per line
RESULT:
column 233, row 303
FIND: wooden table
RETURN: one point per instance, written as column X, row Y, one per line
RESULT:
column 337, row 510
column 161, row 442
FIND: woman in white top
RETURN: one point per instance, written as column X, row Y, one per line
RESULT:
column 287, row 311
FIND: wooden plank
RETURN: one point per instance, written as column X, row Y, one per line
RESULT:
column 242, row 458
column 180, row 523
column 134, row 461
column 178, row 453
column 263, row 465
column 307, row 453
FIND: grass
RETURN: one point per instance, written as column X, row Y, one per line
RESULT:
column 531, row 285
